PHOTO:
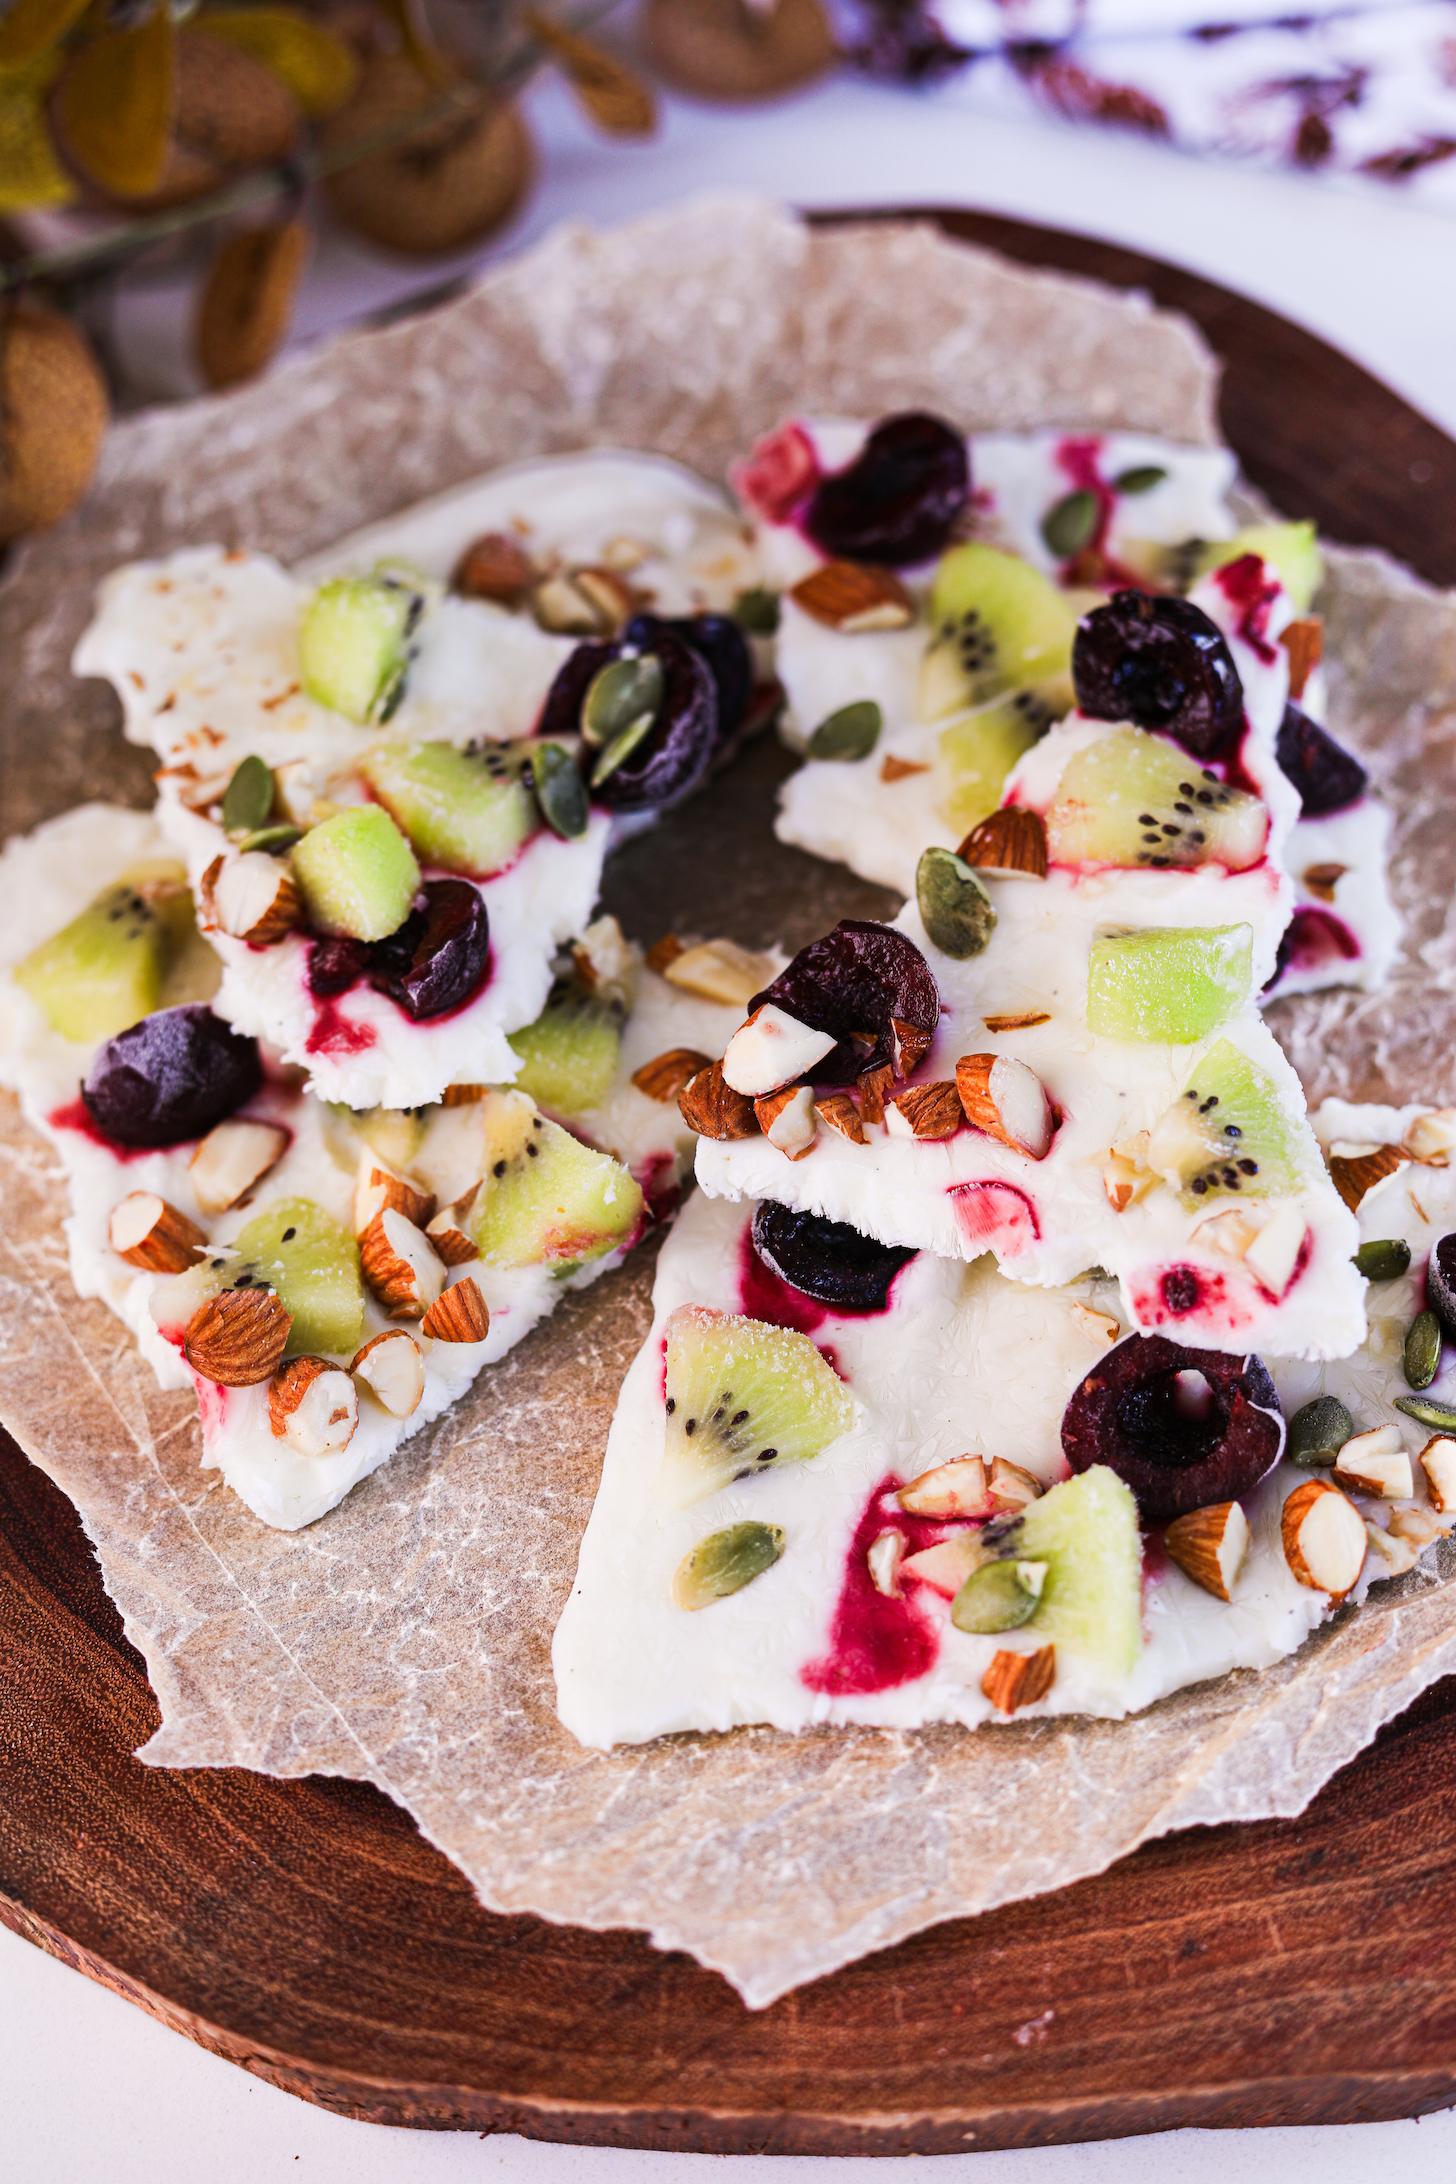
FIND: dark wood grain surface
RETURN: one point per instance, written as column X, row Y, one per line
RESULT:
column 1285, row 1972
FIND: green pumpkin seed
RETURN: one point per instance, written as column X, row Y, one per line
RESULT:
column 560, row 791
column 1422, row 1350
column 954, row 907
column 1383, row 1259
column 274, row 839
column 725, row 1562
column 1318, row 1433
column 1071, row 524
column 248, row 798
column 619, row 694
column 1140, row 479
column 757, row 611
column 850, row 733
column 999, row 1596
column 1440, row 1417
column 621, row 747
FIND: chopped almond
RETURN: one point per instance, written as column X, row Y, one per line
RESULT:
column 713, row 1109
column 1321, row 880
column 1011, row 842
column 837, row 1112
column 1304, row 641
column 392, row 1369
column 237, row 1338
column 1007, row 1101
column 1017, row 1020
column 910, row 1046
column 787, row 1119
column 449, row 1234
column 1011, row 1486
column 1209, row 1545
column 1431, row 1138
column 458, row 1314
column 946, row 1566
column 1098, row 1326
column 496, row 567
column 771, row 1050
column 232, row 1160
column 147, row 1232
column 1354, row 1174
column 400, row 1264
column 314, row 1406
column 885, row 1554
column 1324, row 1538
column 1015, row 1680
column 852, row 599
column 251, row 897
column 954, row 1489
column 378, row 1189
column 665, row 1075
column 874, row 1092
column 1438, row 1462
column 900, row 769
column 925, row 1111
column 719, row 970
column 1375, row 1463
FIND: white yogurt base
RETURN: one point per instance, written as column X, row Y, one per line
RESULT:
column 962, row 1362
column 49, row 876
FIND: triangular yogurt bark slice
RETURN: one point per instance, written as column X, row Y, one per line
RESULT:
column 328, row 1279
column 1076, row 1085
column 971, row 1534
column 400, row 857
column 965, row 656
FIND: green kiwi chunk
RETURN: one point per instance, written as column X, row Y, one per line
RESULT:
column 357, row 873
column 743, row 1396
column 997, row 624
column 1228, row 1133
column 109, row 966
column 312, row 1262
column 463, row 810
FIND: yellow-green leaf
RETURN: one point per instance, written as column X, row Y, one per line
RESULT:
column 32, row 27
column 318, row 67
column 606, row 89
column 114, row 105
column 31, row 176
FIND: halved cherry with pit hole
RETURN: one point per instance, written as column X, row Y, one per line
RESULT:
column 1183, row 1428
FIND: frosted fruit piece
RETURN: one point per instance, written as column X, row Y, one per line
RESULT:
column 353, row 644
column 357, row 874
column 1135, row 799
column 312, row 1262
column 464, row 811
column 546, row 1199
column 997, row 624
column 1085, row 1532
column 1292, row 551
column 569, row 1055
column 106, row 969
column 1172, row 984
column 979, row 750
column 743, row 1396
column 1228, row 1132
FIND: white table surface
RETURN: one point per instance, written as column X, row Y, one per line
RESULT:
column 89, row 2087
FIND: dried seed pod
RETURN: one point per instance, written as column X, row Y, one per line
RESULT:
column 443, row 185
column 247, row 301
column 53, row 412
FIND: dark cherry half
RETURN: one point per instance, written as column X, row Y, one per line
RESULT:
column 900, row 499
column 335, row 963
column 673, row 760
column 1441, row 1283
column 827, row 1260
column 170, row 1078
column 722, row 647
column 1160, row 663
column 1324, row 772
column 861, row 978
column 438, row 959
column 1183, row 1427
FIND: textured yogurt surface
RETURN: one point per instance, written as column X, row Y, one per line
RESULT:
column 202, row 651
column 961, row 1361
column 876, row 816
column 52, row 874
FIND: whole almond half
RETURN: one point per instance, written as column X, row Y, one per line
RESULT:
column 1011, row 841
column 1014, row 1680
column 1209, row 1545
column 853, row 599
column 1355, row 1174
column 1323, row 1535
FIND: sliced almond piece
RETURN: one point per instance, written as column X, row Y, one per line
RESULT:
column 401, row 1265
column 771, row 1050
column 665, row 951
column 378, row 1189
column 719, row 970
column 1324, row 1538
column 251, row 897
column 495, row 566
column 606, row 962
column 1017, row 1020
column 852, row 599
column 1304, row 641
column 1321, row 880
column 885, row 1554
column 1007, row 1101
column 874, row 1090
column 464, row 1095
column 900, row 769
column 665, row 1075
column 233, row 1159
column 1419, row 1526
column 1431, row 1139
column 1438, row 1462
column 1098, row 1327
column 946, row 1566
column 1276, row 1248
column 1355, row 1174
column 393, row 1370
column 787, row 1119
column 459, row 1314
column 1398, row 1554
column 237, row 1338
column 923, row 1111
column 1376, row 1463
column 313, row 1406
column 909, row 1046
column 1015, row 1680
column 582, row 603
column 954, row 1489
column 837, row 1112
column 1011, row 842
column 713, row 1109
column 449, row 1233
column 1011, row 1486
column 1209, row 1545
column 145, row 1231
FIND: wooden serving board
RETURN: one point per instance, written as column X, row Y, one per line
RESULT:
column 1285, row 1972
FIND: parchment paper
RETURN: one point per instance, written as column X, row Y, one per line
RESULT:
column 405, row 1639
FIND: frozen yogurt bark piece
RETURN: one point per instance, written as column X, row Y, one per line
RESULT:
column 1073, row 1087
column 966, row 1537
column 237, row 1223
column 389, row 875
column 964, row 659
